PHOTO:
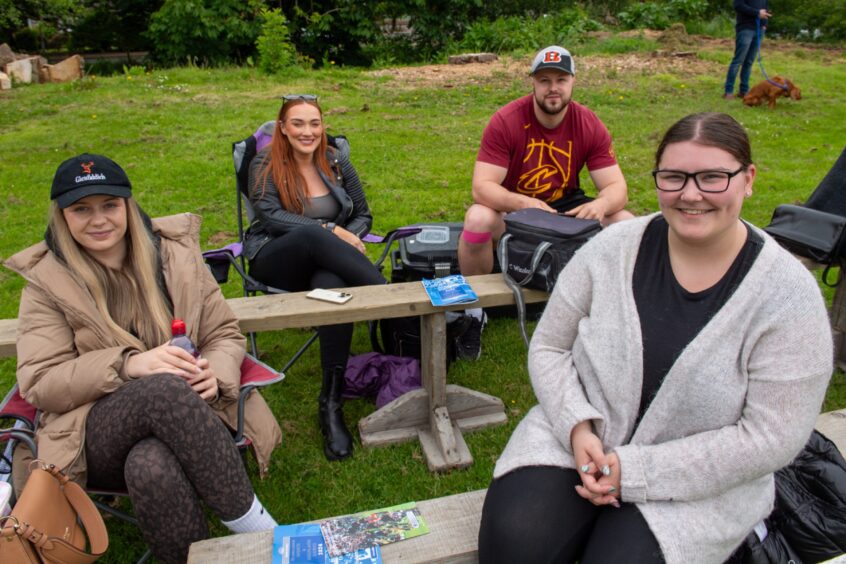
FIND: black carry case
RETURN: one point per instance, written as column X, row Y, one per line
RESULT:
column 535, row 248
column 817, row 230
column 432, row 253
column 537, row 245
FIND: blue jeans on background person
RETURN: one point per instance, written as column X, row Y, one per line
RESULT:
column 745, row 49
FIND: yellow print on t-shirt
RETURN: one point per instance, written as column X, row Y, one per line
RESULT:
column 551, row 167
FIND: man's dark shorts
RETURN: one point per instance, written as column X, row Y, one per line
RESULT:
column 570, row 200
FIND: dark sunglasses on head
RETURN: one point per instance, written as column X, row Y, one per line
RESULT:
column 306, row 97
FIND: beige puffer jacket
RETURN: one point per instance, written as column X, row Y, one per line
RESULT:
column 67, row 360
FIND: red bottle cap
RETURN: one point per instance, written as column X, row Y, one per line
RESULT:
column 177, row 327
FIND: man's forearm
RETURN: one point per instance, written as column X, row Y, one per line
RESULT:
column 497, row 197
column 615, row 197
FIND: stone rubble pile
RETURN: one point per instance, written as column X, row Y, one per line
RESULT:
column 26, row 69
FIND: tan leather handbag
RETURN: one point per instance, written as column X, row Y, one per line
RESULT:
column 44, row 525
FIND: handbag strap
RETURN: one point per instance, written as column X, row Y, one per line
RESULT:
column 515, row 286
column 58, row 550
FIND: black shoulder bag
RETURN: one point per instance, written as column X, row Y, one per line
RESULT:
column 811, row 233
column 535, row 247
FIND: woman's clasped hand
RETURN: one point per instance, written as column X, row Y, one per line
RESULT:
column 600, row 472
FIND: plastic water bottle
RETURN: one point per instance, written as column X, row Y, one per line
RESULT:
column 180, row 339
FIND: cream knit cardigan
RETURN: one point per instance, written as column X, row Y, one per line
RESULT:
column 738, row 404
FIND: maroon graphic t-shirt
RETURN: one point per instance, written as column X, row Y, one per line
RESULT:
column 545, row 163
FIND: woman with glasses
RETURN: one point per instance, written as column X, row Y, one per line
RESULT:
column 681, row 360
column 311, row 214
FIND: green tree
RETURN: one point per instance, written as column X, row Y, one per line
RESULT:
column 436, row 22
column 822, row 20
column 211, row 32
column 335, row 30
column 114, row 25
column 274, row 46
column 52, row 17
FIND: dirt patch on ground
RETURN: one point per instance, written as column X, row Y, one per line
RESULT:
column 677, row 54
column 589, row 68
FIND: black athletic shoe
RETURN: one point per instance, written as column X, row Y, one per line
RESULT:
column 468, row 345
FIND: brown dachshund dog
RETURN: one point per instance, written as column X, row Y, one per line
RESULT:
column 764, row 90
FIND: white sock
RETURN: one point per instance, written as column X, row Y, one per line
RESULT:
column 255, row 519
column 452, row 316
column 476, row 312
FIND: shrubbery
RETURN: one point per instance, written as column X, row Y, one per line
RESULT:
column 210, row 32
column 274, row 43
column 350, row 31
column 523, row 34
column 661, row 15
column 809, row 20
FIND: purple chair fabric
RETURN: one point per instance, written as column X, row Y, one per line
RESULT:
column 262, row 139
column 385, row 376
column 235, row 249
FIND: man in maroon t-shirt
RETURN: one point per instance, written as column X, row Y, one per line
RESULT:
column 531, row 153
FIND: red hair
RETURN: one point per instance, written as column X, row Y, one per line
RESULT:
column 282, row 166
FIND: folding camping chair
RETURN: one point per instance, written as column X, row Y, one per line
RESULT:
column 220, row 260
column 23, row 418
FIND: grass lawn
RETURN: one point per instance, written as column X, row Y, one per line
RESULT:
column 414, row 133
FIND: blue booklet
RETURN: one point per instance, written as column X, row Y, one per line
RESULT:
column 449, row 290
column 304, row 544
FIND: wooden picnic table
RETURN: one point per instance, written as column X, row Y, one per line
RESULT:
column 435, row 414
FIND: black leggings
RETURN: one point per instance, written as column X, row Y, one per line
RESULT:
column 157, row 438
column 312, row 257
column 534, row 514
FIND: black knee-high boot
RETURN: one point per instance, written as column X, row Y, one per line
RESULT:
column 337, row 441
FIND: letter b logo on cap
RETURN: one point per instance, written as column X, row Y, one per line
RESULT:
column 552, row 57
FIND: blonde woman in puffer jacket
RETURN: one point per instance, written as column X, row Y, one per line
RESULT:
column 121, row 407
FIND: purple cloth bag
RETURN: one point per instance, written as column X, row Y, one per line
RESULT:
column 385, row 376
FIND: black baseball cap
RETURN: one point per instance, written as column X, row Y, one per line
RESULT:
column 86, row 175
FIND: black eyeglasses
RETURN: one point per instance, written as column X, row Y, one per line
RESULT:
column 710, row 181
column 306, row 97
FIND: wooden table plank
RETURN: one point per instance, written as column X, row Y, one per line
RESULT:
column 453, row 532
column 287, row 311
column 453, row 521
column 8, row 335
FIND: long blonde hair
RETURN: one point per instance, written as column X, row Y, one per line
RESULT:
column 129, row 299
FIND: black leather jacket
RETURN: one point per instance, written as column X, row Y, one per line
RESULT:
column 270, row 219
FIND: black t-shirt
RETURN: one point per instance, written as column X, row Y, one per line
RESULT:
column 670, row 316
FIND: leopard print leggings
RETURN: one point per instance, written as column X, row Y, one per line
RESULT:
column 157, row 438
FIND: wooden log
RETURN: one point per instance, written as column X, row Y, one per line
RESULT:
column 471, row 58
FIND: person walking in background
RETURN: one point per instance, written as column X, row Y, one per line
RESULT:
column 530, row 157
column 745, row 43
column 122, row 408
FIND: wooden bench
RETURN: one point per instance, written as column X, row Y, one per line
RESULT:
column 453, row 523
column 436, row 414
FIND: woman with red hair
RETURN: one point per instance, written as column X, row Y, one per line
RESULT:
column 310, row 216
